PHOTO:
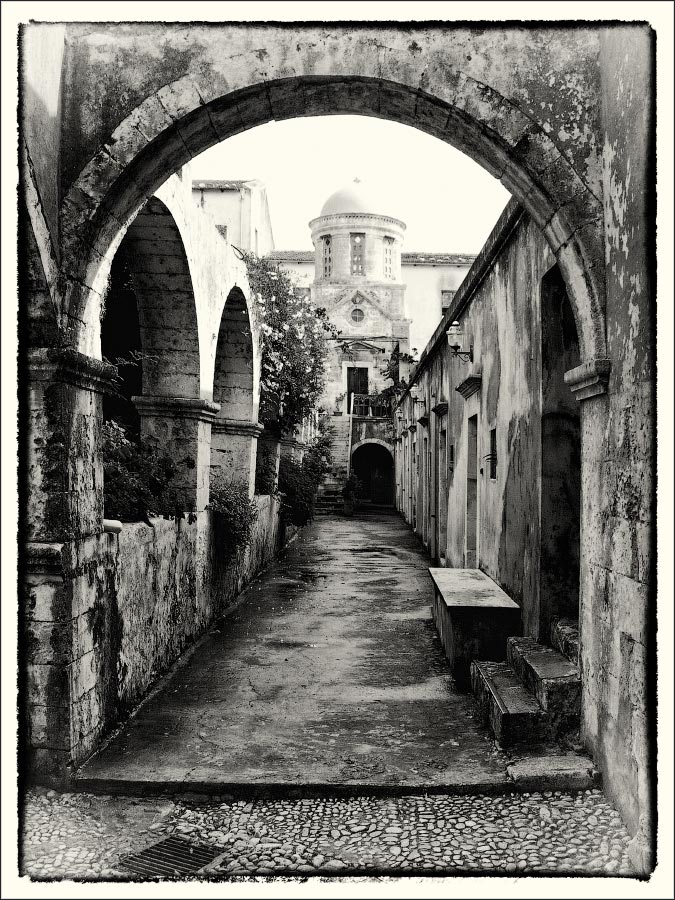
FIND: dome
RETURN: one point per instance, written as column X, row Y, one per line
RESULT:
column 354, row 198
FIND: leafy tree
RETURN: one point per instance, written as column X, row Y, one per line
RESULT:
column 294, row 338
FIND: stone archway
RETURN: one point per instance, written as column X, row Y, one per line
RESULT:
column 170, row 409
column 372, row 462
column 235, row 430
column 439, row 79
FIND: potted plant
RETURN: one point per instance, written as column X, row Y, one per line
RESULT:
column 338, row 404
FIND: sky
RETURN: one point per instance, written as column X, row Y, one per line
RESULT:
column 448, row 202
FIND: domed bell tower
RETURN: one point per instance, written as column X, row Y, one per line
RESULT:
column 357, row 278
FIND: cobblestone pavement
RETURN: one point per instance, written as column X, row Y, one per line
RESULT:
column 81, row 836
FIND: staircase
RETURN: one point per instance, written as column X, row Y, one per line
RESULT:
column 535, row 696
column 329, row 497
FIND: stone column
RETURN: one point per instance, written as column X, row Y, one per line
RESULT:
column 270, row 445
column 63, row 471
column 182, row 427
column 61, row 486
column 234, row 444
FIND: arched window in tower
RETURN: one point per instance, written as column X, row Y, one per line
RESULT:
column 357, row 242
column 327, row 256
column 389, row 257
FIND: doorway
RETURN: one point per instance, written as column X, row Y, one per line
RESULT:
column 560, row 459
column 357, row 383
column 471, row 548
column 441, row 490
column 373, row 465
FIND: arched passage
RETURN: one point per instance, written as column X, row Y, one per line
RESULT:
column 373, row 464
column 235, row 429
column 151, row 314
column 560, row 460
column 162, row 281
column 470, row 116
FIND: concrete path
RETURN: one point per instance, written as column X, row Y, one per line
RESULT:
column 329, row 674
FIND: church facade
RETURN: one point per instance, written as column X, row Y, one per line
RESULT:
column 359, row 273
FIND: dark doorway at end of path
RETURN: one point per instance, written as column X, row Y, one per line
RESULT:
column 374, row 467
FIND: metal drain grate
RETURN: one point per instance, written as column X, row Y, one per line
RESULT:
column 170, row 858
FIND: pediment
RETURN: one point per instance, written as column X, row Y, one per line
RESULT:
column 363, row 345
column 360, row 297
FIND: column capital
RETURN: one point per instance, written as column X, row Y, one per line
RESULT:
column 177, row 407
column 589, row 379
column 237, row 426
column 50, row 364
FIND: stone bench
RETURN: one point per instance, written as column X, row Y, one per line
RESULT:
column 473, row 617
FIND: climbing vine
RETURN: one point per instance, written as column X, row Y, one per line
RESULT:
column 392, row 371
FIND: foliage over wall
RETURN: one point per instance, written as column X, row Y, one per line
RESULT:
column 236, row 514
column 294, row 344
column 138, row 477
column 266, row 468
column 299, row 482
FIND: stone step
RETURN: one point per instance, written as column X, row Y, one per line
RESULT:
column 551, row 678
column 503, row 702
column 565, row 638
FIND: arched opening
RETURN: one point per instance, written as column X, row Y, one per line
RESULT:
column 234, row 430
column 477, row 121
column 373, row 465
column 121, row 344
column 233, row 375
column 560, row 459
column 149, row 332
column 167, row 314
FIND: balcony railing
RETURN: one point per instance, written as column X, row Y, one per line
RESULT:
column 370, row 406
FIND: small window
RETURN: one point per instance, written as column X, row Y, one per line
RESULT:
column 493, row 453
column 446, row 299
column 358, row 315
column 327, row 256
column 451, row 459
column 357, row 244
column 388, row 257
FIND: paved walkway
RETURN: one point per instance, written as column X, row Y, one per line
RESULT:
column 329, row 673
column 81, row 836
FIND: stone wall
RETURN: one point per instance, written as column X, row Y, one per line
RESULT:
column 502, row 323
column 115, row 611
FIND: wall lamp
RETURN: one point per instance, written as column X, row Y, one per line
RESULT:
column 454, row 333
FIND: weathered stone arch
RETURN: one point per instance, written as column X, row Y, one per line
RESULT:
column 233, row 381
column 421, row 79
column 166, row 303
column 235, row 429
column 387, row 446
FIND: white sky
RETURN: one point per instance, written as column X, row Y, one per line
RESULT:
column 448, row 202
